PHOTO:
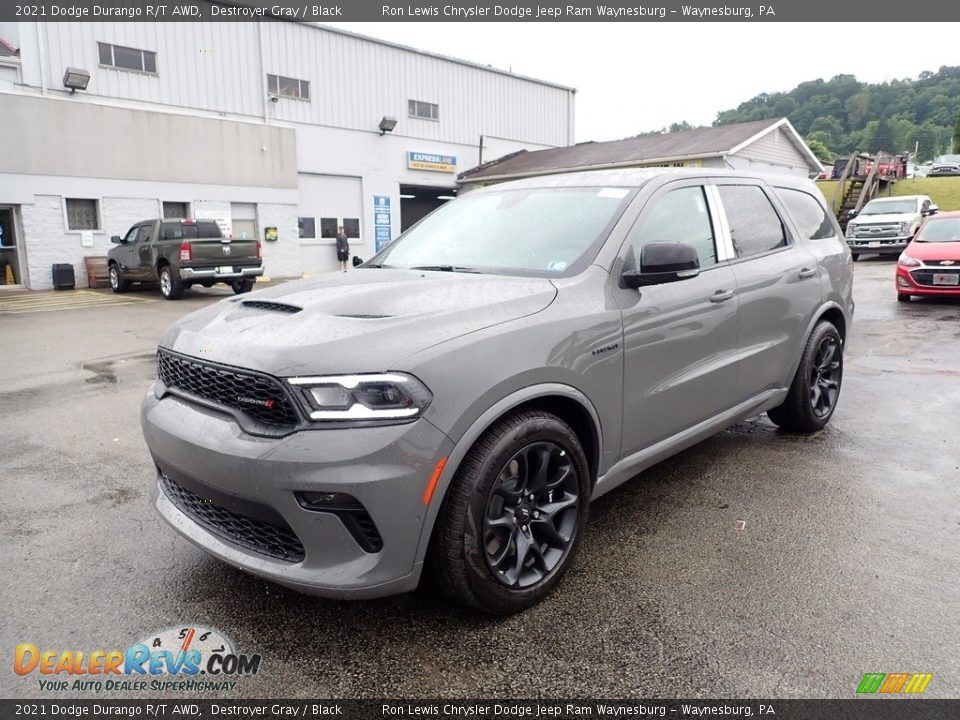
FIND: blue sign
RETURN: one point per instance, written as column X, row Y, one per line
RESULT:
column 382, row 221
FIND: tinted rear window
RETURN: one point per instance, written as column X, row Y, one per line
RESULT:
column 812, row 219
column 190, row 231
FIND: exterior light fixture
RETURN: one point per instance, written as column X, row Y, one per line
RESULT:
column 76, row 79
column 387, row 124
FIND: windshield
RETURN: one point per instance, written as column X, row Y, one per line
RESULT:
column 885, row 207
column 948, row 159
column 943, row 230
column 546, row 232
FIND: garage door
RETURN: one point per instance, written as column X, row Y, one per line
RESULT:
column 326, row 202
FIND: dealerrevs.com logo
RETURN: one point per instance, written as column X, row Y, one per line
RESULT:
column 191, row 658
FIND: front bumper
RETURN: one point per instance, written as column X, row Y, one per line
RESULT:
column 386, row 469
column 237, row 273
column 919, row 281
column 879, row 246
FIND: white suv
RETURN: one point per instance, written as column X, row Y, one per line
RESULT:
column 886, row 225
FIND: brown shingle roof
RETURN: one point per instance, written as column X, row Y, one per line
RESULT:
column 689, row 143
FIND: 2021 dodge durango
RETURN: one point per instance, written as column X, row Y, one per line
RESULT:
column 449, row 409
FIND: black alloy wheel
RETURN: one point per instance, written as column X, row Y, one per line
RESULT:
column 514, row 515
column 531, row 515
column 815, row 389
column 825, row 376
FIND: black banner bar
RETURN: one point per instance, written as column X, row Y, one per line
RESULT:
column 874, row 708
column 861, row 11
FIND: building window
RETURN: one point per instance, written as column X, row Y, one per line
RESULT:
column 351, row 227
column 288, row 87
column 423, row 110
column 328, row 228
column 125, row 58
column 307, row 227
column 176, row 210
column 82, row 214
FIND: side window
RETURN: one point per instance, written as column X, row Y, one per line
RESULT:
column 755, row 227
column 926, row 206
column 131, row 236
column 145, row 232
column 679, row 216
column 812, row 219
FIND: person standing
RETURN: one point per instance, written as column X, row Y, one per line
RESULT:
column 343, row 248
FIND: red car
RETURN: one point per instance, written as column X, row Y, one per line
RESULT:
column 931, row 263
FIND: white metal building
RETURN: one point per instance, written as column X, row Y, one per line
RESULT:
column 274, row 128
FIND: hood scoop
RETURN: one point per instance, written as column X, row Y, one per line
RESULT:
column 271, row 306
column 365, row 317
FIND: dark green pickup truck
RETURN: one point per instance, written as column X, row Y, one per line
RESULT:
column 181, row 253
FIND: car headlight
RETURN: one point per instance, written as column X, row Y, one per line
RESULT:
column 387, row 397
column 905, row 228
column 851, row 229
column 908, row 261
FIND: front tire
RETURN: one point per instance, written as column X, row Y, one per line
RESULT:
column 117, row 282
column 813, row 395
column 903, row 297
column 170, row 283
column 511, row 522
column 855, row 256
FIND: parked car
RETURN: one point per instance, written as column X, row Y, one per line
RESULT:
column 181, row 253
column 450, row 408
column 945, row 165
column 885, row 225
column 930, row 266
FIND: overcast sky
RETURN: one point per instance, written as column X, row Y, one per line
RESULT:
column 633, row 77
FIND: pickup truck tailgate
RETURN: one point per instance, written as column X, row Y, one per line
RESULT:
column 223, row 252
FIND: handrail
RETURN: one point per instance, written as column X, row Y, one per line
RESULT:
column 838, row 190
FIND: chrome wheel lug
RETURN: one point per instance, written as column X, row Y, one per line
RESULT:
column 536, row 514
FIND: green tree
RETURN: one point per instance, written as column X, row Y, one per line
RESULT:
column 820, row 150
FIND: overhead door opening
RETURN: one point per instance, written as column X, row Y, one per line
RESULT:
column 418, row 201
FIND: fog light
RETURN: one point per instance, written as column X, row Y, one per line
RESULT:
column 902, row 281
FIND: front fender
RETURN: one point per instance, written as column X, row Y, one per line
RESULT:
column 477, row 428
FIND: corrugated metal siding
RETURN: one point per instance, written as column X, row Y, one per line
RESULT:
column 331, row 196
column 353, row 82
column 776, row 148
column 205, row 66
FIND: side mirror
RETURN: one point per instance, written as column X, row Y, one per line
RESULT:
column 933, row 210
column 116, row 239
column 663, row 263
column 851, row 213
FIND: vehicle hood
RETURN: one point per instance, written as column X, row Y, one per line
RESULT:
column 885, row 218
column 935, row 251
column 365, row 320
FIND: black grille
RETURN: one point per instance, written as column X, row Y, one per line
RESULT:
column 258, row 396
column 276, row 541
column 271, row 306
column 925, row 277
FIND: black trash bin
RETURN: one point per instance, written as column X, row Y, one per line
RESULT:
column 63, row 278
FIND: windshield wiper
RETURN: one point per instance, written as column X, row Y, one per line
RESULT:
column 447, row 268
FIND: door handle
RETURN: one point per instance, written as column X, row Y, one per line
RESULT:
column 721, row 296
column 807, row 273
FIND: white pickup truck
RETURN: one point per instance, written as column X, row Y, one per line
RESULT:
column 885, row 226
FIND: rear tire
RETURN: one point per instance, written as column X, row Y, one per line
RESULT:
column 511, row 521
column 903, row 297
column 118, row 283
column 170, row 283
column 242, row 286
column 813, row 395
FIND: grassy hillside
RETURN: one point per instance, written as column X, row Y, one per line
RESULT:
column 945, row 191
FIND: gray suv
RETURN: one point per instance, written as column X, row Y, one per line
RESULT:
column 450, row 408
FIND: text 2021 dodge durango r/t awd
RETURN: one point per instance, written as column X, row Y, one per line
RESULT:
column 450, row 408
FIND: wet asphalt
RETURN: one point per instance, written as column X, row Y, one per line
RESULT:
column 756, row 564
